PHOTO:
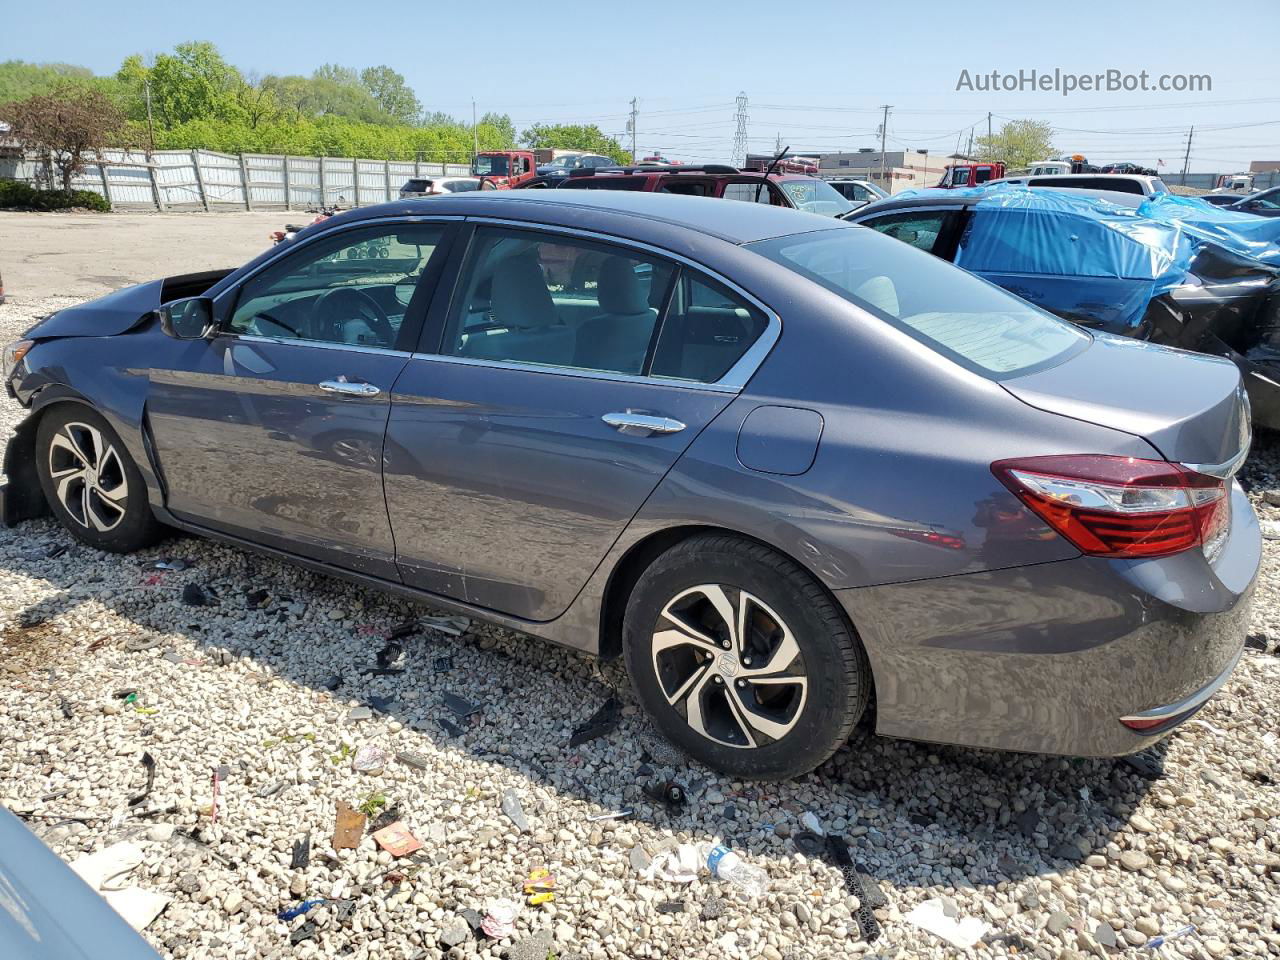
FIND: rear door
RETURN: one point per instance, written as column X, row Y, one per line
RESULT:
column 525, row 437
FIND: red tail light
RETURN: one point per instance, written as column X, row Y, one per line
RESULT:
column 1120, row 506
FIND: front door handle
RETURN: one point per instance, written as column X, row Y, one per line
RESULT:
column 348, row 389
column 641, row 425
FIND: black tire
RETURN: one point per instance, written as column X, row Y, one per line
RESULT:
column 120, row 522
column 812, row 719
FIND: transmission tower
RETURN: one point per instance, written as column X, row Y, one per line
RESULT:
column 739, row 156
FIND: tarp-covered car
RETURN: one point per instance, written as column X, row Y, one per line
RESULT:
column 1167, row 269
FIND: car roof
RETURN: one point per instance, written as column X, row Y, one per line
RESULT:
column 954, row 199
column 1074, row 176
column 731, row 220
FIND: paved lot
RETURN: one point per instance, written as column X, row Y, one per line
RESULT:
column 1059, row 857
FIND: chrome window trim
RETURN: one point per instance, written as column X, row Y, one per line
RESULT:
column 321, row 344
column 734, row 380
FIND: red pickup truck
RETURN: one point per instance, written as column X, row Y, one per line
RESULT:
column 504, row 169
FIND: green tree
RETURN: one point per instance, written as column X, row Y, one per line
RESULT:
column 191, row 83
column 1018, row 143
column 337, row 91
column 20, row 79
column 67, row 125
column 503, row 130
column 390, row 91
column 587, row 137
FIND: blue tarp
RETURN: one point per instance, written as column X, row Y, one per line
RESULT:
column 1092, row 259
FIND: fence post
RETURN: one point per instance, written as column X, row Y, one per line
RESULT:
column 106, row 181
column 204, row 195
column 244, row 183
column 155, row 185
column 386, row 175
column 417, row 168
column 288, row 203
column 323, row 194
column 355, row 182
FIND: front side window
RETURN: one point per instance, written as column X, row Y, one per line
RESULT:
column 548, row 300
column 960, row 177
column 353, row 287
column 953, row 312
column 490, row 166
column 920, row 228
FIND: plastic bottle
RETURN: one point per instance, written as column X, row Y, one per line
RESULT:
column 727, row 865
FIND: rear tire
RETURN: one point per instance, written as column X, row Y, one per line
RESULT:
column 91, row 483
column 770, row 706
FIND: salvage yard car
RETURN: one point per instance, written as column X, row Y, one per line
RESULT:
column 777, row 462
column 1093, row 258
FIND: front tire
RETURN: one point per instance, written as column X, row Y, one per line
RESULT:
column 743, row 659
column 91, row 482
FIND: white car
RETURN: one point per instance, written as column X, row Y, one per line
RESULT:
column 1146, row 186
column 435, row 186
column 857, row 191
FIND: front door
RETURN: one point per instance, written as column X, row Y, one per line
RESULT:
column 569, row 377
column 274, row 430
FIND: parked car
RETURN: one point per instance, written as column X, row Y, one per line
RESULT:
column 857, row 192
column 970, row 174
column 504, row 169
column 561, row 166
column 1223, row 199
column 436, row 186
column 775, row 461
column 48, row 913
column 718, row 180
column 1265, row 203
column 1114, row 182
column 1092, row 258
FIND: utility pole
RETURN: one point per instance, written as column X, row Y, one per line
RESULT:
column 1186, row 160
column 884, row 130
column 151, row 133
column 990, row 145
column 475, row 131
column 739, row 156
column 631, row 125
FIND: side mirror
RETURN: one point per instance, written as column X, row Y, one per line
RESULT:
column 190, row 318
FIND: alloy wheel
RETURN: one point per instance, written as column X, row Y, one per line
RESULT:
column 88, row 477
column 729, row 665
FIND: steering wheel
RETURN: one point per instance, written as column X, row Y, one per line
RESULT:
column 341, row 304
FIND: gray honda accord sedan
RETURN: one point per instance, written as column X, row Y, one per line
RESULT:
column 782, row 465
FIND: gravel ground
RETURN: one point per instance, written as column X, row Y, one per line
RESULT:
column 1060, row 858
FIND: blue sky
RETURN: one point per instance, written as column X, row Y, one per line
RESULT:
column 814, row 74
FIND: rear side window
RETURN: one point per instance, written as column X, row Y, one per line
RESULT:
column 972, row 322
column 706, row 330
column 417, row 186
column 753, row 191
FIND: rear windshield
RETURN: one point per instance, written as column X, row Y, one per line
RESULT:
column 972, row 322
column 461, row 186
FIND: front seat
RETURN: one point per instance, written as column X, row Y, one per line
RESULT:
column 521, row 308
column 618, row 339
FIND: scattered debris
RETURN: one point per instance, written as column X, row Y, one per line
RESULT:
column 449, row 626
column 102, row 871
column 442, row 664
column 419, row 761
column 539, row 887
column 625, row 813
column 171, row 563
column 451, row 728
column 139, row 644
column 463, row 708
column 397, row 840
column 455, row 932
column 389, row 654
column 382, row 704
column 667, row 792
column 514, row 812
column 810, row 844
column 809, row 820
column 932, row 916
column 601, row 723
column 500, row 918
column 304, row 932
column 360, row 712
column 671, row 906
column 256, row 598
column 370, row 758
column 348, row 827
column 1156, row 942
column 295, row 912
column 301, row 852
column 399, row 632
column 680, row 865
column 194, row 596
column 148, row 764
column 331, row 682
column 869, row 896
column 726, row 864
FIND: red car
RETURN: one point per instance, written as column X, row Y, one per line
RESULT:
column 717, row 180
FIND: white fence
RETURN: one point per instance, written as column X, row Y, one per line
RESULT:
column 203, row 179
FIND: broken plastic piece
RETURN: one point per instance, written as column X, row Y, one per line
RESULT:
column 500, row 917
column 515, row 813
column 382, row 704
column 348, row 827
column 602, row 723
column 623, row 814
column 868, row 894
column 419, row 761
column 463, row 708
column 304, row 932
column 370, row 758
column 671, row 906
column 397, row 840
column 809, row 820
column 300, row 909
column 389, row 654
column 960, row 933
column 680, row 865
column 539, row 886
column 451, row 728
column 174, row 563
column 301, row 852
column 406, row 629
column 442, row 664
column 148, row 764
column 1156, row 942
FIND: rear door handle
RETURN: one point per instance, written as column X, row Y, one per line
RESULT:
column 348, row 389
column 641, row 425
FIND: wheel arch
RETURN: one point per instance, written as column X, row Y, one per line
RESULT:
column 640, row 555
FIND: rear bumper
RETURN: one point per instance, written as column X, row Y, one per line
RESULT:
column 1051, row 658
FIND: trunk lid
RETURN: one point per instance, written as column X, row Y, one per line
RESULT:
column 1189, row 406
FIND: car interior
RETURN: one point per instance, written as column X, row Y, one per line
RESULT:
column 594, row 308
